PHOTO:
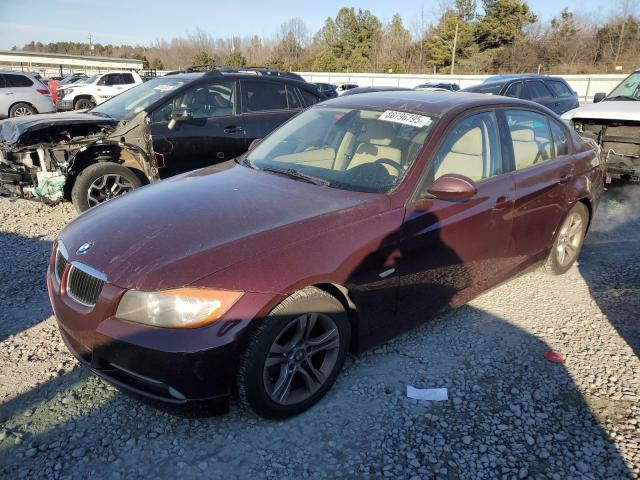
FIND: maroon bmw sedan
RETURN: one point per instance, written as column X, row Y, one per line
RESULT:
column 356, row 220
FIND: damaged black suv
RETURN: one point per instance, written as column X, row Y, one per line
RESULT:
column 165, row 126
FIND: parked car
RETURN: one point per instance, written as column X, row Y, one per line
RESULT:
column 614, row 123
column 258, row 276
column 552, row 92
column 22, row 94
column 341, row 88
column 95, row 90
column 327, row 89
column 359, row 90
column 438, row 86
column 162, row 127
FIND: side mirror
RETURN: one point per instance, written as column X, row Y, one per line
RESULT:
column 255, row 143
column 179, row 115
column 598, row 97
column 452, row 187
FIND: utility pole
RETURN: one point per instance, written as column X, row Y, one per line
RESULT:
column 453, row 50
column 90, row 44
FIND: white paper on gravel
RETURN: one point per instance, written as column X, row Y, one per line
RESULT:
column 433, row 394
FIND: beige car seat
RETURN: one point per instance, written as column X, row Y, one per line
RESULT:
column 376, row 145
column 528, row 150
column 465, row 156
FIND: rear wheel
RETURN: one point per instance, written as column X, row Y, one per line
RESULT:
column 101, row 182
column 84, row 104
column 22, row 110
column 294, row 355
column 569, row 240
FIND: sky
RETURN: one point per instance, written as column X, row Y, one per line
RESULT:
column 143, row 21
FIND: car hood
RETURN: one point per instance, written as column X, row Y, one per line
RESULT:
column 13, row 128
column 607, row 110
column 183, row 229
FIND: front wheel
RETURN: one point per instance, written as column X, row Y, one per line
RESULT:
column 294, row 355
column 101, row 182
column 569, row 240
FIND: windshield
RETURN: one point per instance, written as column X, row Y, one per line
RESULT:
column 351, row 149
column 629, row 89
column 130, row 102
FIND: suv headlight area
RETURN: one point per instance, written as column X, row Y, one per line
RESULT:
column 177, row 308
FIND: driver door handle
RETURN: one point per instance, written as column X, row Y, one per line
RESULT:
column 232, row 129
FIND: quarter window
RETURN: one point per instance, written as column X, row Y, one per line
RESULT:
column 309, row 98
column 515, row 90
column 127, row 79
column 262, row 96
column 560, row 139
column 472, row 149
column 530, row 137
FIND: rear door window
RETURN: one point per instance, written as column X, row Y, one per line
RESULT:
column 530, row 137
column 127, row 79
column 2, row 82
column 559, row 88
column 263, row 96
column 17, row 80
column 538, row 90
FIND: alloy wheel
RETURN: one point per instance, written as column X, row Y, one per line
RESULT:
column 107, row 187
column 301, row 358
column 22, row 112
column 569, row 239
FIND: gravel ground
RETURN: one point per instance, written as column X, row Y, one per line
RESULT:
column 511, row 414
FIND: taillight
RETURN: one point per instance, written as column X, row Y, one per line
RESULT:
column 43, row 91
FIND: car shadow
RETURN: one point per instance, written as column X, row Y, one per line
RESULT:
column 23, row 295
column 509, row 411
column 610, row 263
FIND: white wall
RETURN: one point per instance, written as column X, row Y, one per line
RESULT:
column 585, row 85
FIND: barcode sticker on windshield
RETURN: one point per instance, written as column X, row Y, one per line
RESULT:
column 405, row 118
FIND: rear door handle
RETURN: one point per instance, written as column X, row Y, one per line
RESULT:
column 232, row 129
column 564, row 179
column 501, row 204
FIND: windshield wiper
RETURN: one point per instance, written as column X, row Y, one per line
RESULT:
column 245, row 162
column 623, row 97
column 295, row 174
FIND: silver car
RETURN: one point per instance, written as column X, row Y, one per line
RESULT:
column 23, row 94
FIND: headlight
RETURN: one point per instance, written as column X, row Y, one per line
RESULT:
column 179, row 308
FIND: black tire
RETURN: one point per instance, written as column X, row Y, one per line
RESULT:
column 558, row 263
column 22, row 109
column 254, row 376
column 90, row 178
column 84, row 104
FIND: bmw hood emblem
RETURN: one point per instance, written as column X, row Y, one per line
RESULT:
column 84, row 248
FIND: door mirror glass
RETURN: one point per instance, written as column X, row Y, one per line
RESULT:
column 255, row 143
column 452, row 187
column 179, row 115
column 598, row 97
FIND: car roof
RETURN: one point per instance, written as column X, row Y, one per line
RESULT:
column 435, row 104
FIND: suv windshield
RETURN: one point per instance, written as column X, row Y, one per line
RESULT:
column 629, row 89
column 351, row 149
column 131, row 102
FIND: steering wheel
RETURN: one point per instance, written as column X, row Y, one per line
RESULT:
column 391, row 163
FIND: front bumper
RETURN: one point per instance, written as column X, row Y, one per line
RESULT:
column 64, row 105
column 187, row 370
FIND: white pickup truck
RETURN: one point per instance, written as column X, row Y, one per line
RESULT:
column 613, row 121
column 95, row 90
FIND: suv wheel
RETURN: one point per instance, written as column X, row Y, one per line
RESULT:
column 84, row 104
column 569, row 240
column 294, row 355
column 101, row 182
column 22, row 110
